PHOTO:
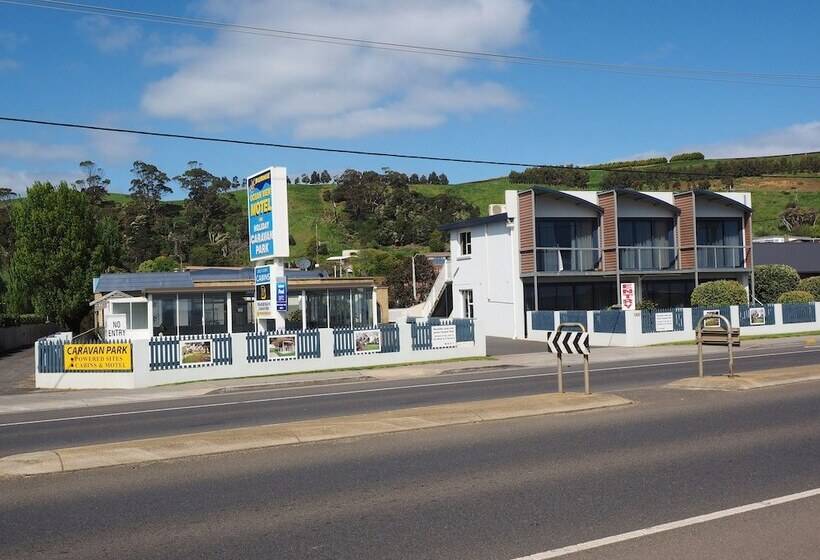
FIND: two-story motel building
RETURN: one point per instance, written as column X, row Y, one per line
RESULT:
column 547, row 249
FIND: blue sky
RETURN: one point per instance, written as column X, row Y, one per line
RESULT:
column 74, row 67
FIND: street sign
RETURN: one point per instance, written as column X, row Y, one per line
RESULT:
column 116, row 326
column 628, row 296
column 282, row 294
column 268, row 235
column 568, row 342
column 263, row 303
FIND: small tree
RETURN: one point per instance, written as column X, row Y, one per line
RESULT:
column 159, row 264
column 414, row 179
column 442, row 179
column 796, row 296
column 314, row 178
column 400, row 281
column 811, row 285
column 325, row 177
column 719, row 293
column 95, row 184
column 771, row 280
column 433, row 178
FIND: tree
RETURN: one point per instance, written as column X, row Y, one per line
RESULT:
column 314, row 178
column 159, row 264
column 442, row 179
column 95, row 184
column 149, row 182
column 305, row 179
column 423, row 180
column 433, row 178
column 811, row 285
column 771, row 280
column 6, row 193
column 144, row 221
column 719, row 293
column 796, row 296
column 325, row 177
column 414, row 179
column 61, row 243
column 400, row 281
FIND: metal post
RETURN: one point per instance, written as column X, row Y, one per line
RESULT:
column 700, row 352
column 560, row 374
column 731, row 352
column 586, row 374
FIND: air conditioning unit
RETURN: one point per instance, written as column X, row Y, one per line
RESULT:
column 497, row 209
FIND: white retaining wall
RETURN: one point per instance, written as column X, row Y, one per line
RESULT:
column 143, row 377
column 635, row 337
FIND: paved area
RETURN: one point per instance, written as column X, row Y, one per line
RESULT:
column 17, row 371
column 769, row 378
column 497, row 346
column 223, row 441
column 494, row 490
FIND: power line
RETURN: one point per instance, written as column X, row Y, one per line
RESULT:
column 325, row 149
column 727, row 76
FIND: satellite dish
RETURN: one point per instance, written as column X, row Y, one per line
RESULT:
column 303, row 263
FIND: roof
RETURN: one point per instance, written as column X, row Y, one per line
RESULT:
column 642, row 196
column 142, row 281
column 804, row 257
column 717, row 197
column 555, row 193
column 475, row 222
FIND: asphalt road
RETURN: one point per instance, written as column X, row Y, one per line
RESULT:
column 53, row 429
column 495, row 490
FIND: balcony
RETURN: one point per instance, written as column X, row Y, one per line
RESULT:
column 648, row 258
column 721, row 256
column 566, row 259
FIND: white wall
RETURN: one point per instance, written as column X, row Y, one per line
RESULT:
column 143, row 377
column 546, row 207
column 632, row 208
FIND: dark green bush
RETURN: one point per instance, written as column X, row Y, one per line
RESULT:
column 796, row 296
column 719, row 293
column 771, row 280
column 647, row 305
column 811, row 285
column 9, row 320
column 687, row 156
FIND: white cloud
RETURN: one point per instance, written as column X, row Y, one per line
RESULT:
column 325, row 90
column 107, row 35
column 8, row 64
column 24, row 150
column 797, row 138
column 19, row 180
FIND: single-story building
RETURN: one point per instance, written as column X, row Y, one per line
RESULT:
column 220, row 300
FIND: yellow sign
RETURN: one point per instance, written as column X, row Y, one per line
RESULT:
column 97, row 357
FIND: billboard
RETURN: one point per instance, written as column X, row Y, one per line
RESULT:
column 262, row 280
column 97, row 357
column 282, row 294
column 268, row 214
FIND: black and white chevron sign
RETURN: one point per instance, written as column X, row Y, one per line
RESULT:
column 568, row 342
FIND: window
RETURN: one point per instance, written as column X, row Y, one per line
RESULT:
column 646, row 243
column 136, row 314
column 668, row 293
column 566, row 296
column 465, row 242
column 190, row 313
column 720, row 243
column 293, row 318
column 362, row 307
column 566, row 244
column 242, row 312
column 339, row 308
column 316, row 309
column 165, row 314
column 467, row 299
column 215, row 311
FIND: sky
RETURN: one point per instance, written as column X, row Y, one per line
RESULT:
column 63, row 66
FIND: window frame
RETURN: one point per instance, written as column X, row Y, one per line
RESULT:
column 465, row 243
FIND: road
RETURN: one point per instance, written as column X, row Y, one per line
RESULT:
column 48, row 430
column 495, row 490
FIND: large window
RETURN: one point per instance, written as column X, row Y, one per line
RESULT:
column 165, row 314
column 136, row 314
column 316, row 309
column 720, row 243
column 646, row 243
column 215, row 311
column 362, row 302
column 339, row 308
column 465, row 243
column 668, row 293
column 242, row 312
column 566, row 244
column 190, row 313
column 565, row 296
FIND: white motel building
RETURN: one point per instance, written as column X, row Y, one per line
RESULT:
column 547, row 249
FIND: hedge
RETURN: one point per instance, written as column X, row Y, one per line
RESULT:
column 771, row 280
column 719, row 293
column 796, row 296
column 687, row 156
column 811, row 285
column 7, row 320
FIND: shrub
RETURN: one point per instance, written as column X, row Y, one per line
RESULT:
column 796, row 296
column 771, row 280
column 9, row 320
column 811, row 285
column 687, row 156
column 719, row 293
column 647, row 305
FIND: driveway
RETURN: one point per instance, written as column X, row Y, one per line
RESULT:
column 497, row 346
column 17, row 371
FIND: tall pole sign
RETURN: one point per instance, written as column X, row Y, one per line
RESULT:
column 268, row 240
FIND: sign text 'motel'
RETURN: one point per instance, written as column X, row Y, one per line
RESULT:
column 268, row 214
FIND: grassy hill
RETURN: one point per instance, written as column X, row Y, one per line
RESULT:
column 310, row 216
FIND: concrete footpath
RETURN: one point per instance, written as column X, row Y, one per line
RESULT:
column 746, row 381
column 324, row 429
column 42, row 400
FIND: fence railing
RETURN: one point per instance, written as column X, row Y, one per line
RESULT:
column 171, row 352
column 611, row 321
column 574, row 317
column 422, row 332
column 698, row 312
column 50, row 356
column 567, row 259
column 259, row 345
column 799, row 313
column 543, row 320
column 347, row 342
column 650, row 322
column 721, row 256
column 648, row 258
column 750, row 317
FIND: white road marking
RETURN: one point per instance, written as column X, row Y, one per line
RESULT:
column 698, row 519
column 375, row 390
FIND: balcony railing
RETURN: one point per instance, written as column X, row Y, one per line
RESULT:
column 721, row 256
column 648, row 258
column 566, row 259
